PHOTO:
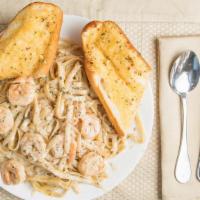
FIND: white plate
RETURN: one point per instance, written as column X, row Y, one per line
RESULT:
column 123, row 164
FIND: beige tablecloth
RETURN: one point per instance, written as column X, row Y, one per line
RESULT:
column 143, row 21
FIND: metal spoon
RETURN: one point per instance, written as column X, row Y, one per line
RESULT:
column 184, row 77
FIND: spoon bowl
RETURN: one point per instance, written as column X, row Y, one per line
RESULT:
column 184, row 77
column 185, row 73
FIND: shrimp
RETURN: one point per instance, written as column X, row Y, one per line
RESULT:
column 56, row 146
column 90, row 126
column 33, row 146
column 6, row 120
column 91, row 164
column 21, row 91
column 72, row 153
column 12, row 172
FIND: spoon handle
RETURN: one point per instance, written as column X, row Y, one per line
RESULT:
column 183, row 169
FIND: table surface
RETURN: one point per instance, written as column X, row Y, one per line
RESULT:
column 143, row 21
column 120, row 10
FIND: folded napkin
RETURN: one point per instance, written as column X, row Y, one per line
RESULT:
column 170, row 120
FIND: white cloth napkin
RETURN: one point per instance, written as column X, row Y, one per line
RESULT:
column 170, row 120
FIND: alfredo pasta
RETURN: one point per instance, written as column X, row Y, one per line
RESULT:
column 54, row 132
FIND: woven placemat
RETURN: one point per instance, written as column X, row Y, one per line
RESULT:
column 145, row 182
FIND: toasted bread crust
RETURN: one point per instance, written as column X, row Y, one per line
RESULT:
column 40, row 68
column 92, row 73
column 51, row 51
column 102, row 99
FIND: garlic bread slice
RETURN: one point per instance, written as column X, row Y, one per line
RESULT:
column 116, row 71
column 28, row 45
